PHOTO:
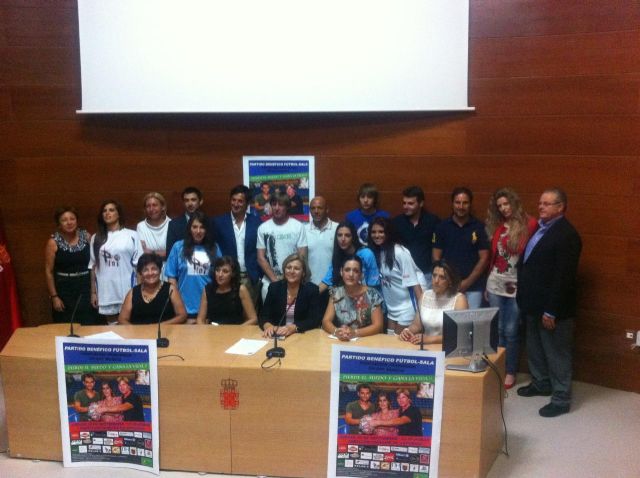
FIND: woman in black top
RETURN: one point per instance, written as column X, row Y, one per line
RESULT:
column 68, row 278
column 225, row 300
column 146, row 302
column 292, row 304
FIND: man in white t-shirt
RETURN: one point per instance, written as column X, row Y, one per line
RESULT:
column 278, row 238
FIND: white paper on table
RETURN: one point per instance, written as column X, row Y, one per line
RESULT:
column 246, row 346
column 105, row 335
column 352, row 339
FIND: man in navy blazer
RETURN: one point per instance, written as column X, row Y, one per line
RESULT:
column 236, row 233
column 547, row 299
column 192, row 200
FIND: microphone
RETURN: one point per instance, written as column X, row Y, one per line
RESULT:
column 163, row 341
column 275, row 351
column 73, row 315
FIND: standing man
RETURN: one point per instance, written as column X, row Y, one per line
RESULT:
column 415, row 228
column 236, row 234
column 320, row 233
column 278, row 238
column 354, row 411
column 85, row 397
column 547, row 299
column 192, row 200
column 261, row 203
column 367, row 212
column 462, row 240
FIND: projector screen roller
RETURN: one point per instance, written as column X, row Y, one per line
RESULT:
column 242, row 56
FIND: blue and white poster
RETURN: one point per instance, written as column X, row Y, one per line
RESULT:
column 386, row 413
column 290, row 175
column 108, row 392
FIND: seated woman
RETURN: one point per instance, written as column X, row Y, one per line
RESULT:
column 385, row 413
column 146, row 302
column 291, row 304
column 354, row 309
column 225, row 300
column 442, row 296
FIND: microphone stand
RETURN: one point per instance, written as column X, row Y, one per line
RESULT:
column 275, row 351
column 73, row 315
column 163, row 341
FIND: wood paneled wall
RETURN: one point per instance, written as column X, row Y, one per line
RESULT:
column 556, row 86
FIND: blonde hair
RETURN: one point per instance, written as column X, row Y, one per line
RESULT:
column 518, row 231
column 157, row 196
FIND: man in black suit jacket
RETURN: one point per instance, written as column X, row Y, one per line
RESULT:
column 238, row 225
column 192, row 199
column 547, row 300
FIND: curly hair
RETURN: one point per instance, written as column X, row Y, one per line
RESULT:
column 518, row 232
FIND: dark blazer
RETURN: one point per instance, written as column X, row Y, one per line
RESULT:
column 226, row 240
column 307, row 314
column 547, row 280
column 176, row 231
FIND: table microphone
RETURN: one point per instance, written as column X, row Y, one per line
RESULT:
column 163, row 341
column 275, row 351
column 73, row 316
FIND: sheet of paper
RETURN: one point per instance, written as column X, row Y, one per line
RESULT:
column 105, row 335
column 352, row 339
column 246, row 346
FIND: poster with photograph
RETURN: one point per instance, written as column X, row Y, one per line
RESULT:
column 386, row 412
column 108, row 392
column 290, row 175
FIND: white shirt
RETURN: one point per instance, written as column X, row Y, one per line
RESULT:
column 395, row 285
column 320, row 244
column 240, row 232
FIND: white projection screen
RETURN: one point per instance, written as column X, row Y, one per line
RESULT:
column 242, row 56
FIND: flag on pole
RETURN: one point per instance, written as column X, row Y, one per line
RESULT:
column 10, row 318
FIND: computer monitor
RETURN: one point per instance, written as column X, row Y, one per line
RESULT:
column 470, row 333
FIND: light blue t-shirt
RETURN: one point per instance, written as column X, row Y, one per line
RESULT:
column 192, row 276
column 370, row 273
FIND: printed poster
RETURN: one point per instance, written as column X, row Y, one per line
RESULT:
column 386, row 413
column 290, row 175
column 108, row 392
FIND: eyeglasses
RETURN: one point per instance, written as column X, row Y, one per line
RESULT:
column 547, row 204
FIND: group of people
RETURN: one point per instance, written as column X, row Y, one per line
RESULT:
column 104, row 404
column 353, row 278
column 363, row 416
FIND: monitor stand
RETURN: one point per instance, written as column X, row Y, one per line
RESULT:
column 476, row 365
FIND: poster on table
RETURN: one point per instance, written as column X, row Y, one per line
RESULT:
column 290, row 175
column 108, row 392
column 386, row 412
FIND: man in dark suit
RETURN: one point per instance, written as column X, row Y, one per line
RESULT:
column 547, row 300
column 236, row 234
column 192, row 200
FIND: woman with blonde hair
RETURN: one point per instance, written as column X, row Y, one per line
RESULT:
column 510, row 228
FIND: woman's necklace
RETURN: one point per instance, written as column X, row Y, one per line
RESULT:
column 148, row 297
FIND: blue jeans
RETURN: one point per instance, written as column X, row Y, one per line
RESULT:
column 474, row 298
column 508, row 329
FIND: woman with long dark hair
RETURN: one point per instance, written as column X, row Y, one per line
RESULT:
column 398, row 272
column 189, row 264
column 346, row 244
column 225, row 300
column 510, row 227
column 114, row 254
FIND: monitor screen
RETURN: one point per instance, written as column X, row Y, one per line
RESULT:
column 470, row 332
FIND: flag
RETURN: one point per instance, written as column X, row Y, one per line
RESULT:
column 10, row 318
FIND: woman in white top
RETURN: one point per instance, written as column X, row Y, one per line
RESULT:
column 153, row 229
column 398, row 274
column 442, row 296
column 114, row 254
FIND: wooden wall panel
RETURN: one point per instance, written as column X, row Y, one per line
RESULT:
column 558, row 55
column 499, row 18
column 556, row 86
column 584, row 95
